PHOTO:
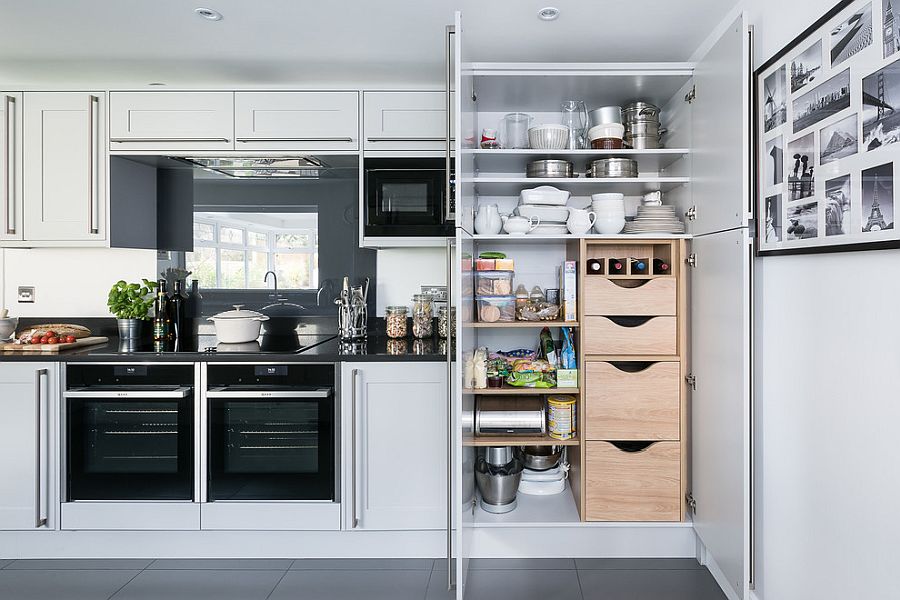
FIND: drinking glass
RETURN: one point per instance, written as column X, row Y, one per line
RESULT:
column 575, row 117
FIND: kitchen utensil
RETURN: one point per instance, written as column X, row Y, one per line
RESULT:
column 580, row 221
column 539, row 458
column 7, row 326
column 652, row 199
column 550, row 168
column 547, row 214
column 609, row 209
column 498, row 455
column 643, row 142
column 515, row 130
column 613, row 167
column 546, row 195
column 520, row 225
column 498, row 487
column 615, row 198
column 53, row 348
column 640, row 111
column 606, row 114
column 575, row 117
column 352, row 312
column 645, row 128
column 238, row 326
column 549, row 137
column 544, row 483
column 487, row 220
column 609, row 225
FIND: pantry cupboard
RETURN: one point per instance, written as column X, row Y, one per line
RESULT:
column 663, row 396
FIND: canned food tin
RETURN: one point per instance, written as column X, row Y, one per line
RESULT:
column 561, row 417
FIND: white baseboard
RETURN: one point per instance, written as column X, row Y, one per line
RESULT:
column 706, row 559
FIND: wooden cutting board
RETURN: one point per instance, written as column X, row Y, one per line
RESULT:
column 53, row 348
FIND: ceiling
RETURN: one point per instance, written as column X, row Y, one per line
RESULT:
column 298, row 42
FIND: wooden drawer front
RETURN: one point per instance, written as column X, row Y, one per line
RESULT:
column 604, row 296
column 405, row 120
column 624, row 405
column 296, row 120
column 656, row 335
column 633, row 486
column 171, row 120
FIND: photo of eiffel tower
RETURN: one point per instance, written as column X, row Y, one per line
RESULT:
column 878, row 198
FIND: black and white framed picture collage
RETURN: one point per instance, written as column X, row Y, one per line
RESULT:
column 827, row 119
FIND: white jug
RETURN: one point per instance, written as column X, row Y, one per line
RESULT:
column 487, row 220
column 580, row 221
column 520, row 225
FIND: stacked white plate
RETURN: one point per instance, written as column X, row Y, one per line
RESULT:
column 655, row 219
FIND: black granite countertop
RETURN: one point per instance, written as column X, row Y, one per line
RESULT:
column 314, row 342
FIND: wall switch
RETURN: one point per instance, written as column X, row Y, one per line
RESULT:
column 26, row 294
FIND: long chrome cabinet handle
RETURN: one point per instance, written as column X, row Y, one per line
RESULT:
column 93, row 161
column 39, row 519
column 406, row 139
column 450, row 335
column 448, row 212
column 167, row 139
column 354, row 379
column 9, row 156
column 295, row 139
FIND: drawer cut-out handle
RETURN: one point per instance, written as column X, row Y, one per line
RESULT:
column 632, row 366
column 632, row 447
column 630, row 284
column 629, row 321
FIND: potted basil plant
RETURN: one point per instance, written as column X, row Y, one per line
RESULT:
column 131, row 304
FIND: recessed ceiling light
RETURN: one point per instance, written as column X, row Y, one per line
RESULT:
column 209, row 14
column 549, row 13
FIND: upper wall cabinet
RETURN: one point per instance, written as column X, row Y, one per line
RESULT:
column 11, row 165
column 171, row 121
column 405, row 120
column 296, row 121
column 64, row 156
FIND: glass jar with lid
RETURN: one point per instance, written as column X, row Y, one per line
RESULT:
column 395, row 321
column 422, row 315
column 446, row 321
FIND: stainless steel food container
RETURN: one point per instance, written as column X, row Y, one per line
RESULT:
column 510, row 416
column 606, row 114
column 644, row 142
column 640, row 111
column 613, row 167
column 498, row 491
column 539, row 458
column 550, row 168
column 643, row 128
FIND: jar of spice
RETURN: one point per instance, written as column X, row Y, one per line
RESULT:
column 422, row 315
column 446, row 322
column 395, row 321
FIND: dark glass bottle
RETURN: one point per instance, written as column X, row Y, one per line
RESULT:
column 638, row 266
column 193, row 310
column 660, row 267
column 594, row 266
column 179, row 335
column 616, row 266
column 162, row 319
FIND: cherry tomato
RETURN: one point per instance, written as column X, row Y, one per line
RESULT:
column 44, row 339
column 50, row 334
column 36, row 339
column 53, row 340
column 70, row 339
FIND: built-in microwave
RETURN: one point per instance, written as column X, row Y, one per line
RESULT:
column 408, row 197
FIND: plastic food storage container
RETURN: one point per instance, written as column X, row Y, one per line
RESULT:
column 494, row 283
column 496, row 309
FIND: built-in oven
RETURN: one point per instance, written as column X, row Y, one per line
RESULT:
column 408, row 197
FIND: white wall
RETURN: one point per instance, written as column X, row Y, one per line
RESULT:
column 827, row 401
column 403, row 271
column 70, row 282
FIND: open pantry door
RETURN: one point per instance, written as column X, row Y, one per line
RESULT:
column 463, row 506
column 720, row 310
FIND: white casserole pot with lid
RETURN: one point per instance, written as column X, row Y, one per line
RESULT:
column 238, row 326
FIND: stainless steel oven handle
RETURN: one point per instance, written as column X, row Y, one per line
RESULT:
column 354, row 383
column 109, row 394
column 40, row 520
column 260, row 395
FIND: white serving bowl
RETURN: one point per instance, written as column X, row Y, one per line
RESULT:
column 549, row 137
column 547, row 214
column 606, row 130
column 609, row 225
column 607, row 197
column 545, row 194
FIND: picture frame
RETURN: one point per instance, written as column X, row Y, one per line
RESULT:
column 826, row 131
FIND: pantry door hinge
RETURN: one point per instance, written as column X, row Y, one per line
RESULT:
column 691, row 260
column 691, row 380
column 691, row 213
column 691, row 95
column 692, row 504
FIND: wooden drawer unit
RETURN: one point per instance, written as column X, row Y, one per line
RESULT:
column 635, row 297
column 630, row 336
column 639, row 485
column 639, row 404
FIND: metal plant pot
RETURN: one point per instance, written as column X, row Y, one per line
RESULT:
column 129, row 329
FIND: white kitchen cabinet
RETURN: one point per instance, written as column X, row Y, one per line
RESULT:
column 171, row 121
column 396, row 470
column 11, row 165
column 65, row 166
column 301, row 121
column 415, row 120
column 28, row 429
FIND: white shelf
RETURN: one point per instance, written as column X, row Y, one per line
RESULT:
column 533, row 511
column 630, row 186
column 539, row 239
column 516, row 161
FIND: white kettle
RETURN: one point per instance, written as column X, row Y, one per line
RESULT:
column 487, row 220
column 580, row 221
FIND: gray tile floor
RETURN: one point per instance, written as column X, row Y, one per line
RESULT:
column 357, row 579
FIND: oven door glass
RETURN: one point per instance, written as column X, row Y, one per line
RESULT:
column 130, row 449
column 267, row 449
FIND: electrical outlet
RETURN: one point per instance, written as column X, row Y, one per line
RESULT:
column 26, row 294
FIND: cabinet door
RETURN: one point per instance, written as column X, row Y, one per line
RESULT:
column 296, row 120
column 27, row 429
column 11, row 165
column 405, row 120
column 65, row 182
column 171, row 121
column 401, row 446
